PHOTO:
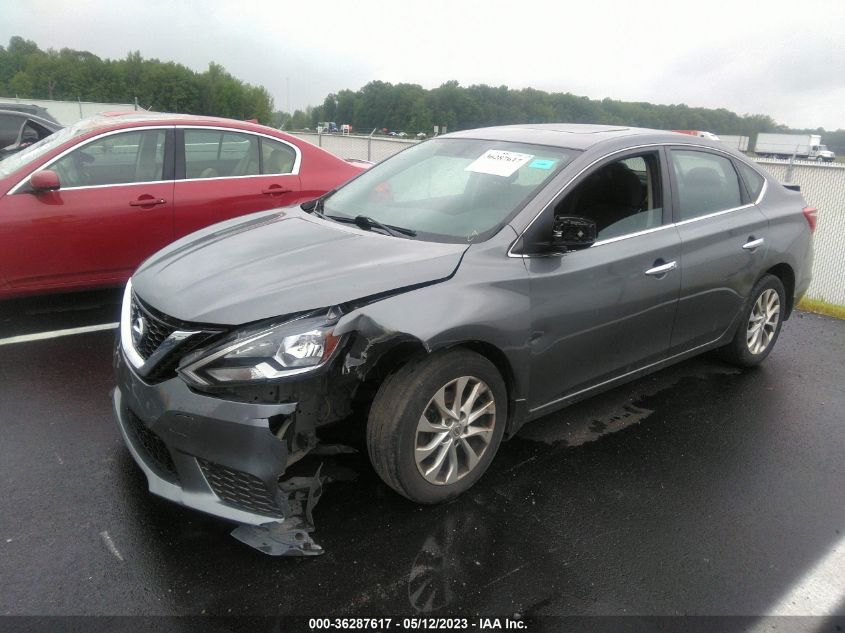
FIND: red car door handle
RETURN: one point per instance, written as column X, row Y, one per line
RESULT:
column 277, row 189
column 147, row 202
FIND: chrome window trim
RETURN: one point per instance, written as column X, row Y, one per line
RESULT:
column 178, row 180
column 124, row 184
column 645, row 231
column 88, row 141
column 712, row 215
column 619, row 238
column 296, row 161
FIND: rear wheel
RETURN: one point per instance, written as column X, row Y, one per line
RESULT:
column 436, row 424
column 760, row 326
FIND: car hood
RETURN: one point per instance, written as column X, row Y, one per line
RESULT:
column 280, row 262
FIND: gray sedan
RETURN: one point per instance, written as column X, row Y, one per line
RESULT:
column 454, row 292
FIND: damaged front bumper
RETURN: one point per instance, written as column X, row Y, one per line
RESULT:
column 217, row 456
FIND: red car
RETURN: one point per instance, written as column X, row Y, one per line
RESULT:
column 84, row 206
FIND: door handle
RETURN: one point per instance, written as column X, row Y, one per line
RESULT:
column 275, row 190
column 147, row 202
column 752, row 244
column 662, row 269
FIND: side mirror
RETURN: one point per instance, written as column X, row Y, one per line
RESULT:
column 573, row 232
column 44, row 180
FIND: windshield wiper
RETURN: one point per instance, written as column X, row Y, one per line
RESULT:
column 366, row 222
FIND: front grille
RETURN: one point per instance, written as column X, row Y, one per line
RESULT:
column 240, row 489
column 153, row 446
column 159, row 326
column 156, row 330
column 166, row 367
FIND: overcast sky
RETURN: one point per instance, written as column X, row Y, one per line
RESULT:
column 776, row 57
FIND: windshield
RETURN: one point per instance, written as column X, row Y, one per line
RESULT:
column 450, row 190
column 30, row 154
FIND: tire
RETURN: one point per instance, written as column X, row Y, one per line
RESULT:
column 397, row 432
column 760, row 325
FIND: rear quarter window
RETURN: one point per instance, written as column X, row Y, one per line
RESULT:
column 753, row 181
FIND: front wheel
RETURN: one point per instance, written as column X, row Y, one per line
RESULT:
column 760, row 326
column 436, row 423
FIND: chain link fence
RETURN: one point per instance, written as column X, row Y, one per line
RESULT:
column 823, row 186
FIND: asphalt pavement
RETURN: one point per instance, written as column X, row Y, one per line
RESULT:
column 700, row 490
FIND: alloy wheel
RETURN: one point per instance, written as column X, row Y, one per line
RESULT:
column 763, row 321
column 454, row 430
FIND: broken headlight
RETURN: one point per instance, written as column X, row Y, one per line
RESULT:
column 269, row 352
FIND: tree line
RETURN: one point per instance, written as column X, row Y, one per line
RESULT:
column 411, row 108
column 28, row 72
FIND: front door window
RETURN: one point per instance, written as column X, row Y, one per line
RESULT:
column 116, row 159
column 622, row 197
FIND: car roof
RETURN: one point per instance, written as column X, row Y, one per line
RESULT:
column 575, row 135
column 29, row 108
column 131, row 118
column 21, row 114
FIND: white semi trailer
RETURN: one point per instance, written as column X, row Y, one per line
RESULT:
column 736, row 142
column 807, row 146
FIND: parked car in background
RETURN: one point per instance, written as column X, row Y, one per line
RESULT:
column 454, row 292
column 84, row 206
column 21, row 129
column 29, row 108
column 699, row 133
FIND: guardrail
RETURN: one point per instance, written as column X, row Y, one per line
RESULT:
column 823, row 186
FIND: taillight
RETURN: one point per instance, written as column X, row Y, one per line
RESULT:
column 812, row 215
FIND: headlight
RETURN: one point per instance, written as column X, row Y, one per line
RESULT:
column 260, row 354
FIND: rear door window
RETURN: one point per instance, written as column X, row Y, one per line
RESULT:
column 220, row 154
column 706, row 183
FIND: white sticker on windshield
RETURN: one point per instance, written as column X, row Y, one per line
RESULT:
column 498, row 162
